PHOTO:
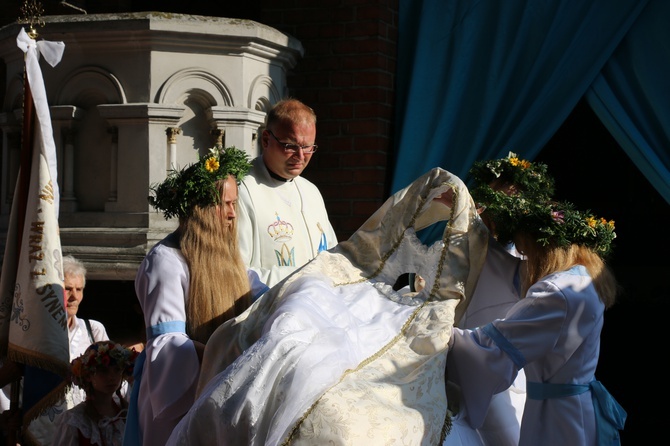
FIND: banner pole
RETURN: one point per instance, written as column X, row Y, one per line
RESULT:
column 23, row 183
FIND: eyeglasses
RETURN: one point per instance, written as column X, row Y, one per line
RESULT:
column 293, row 148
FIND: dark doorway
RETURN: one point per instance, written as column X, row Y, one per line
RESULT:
column 114, row 303
column 592, row 171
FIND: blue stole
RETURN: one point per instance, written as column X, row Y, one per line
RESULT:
column 131, row 435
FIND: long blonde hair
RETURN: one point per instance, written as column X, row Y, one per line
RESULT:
column 218, row 285
column 544, row 260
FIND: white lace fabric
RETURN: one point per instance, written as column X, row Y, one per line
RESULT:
column 108, row 431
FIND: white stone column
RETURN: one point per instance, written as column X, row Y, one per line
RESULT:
column 172, row 133
column 65, row 119
column 239, row 125
column 113, row 164
column 68, row 163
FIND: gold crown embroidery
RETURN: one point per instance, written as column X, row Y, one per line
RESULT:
column 280, row 230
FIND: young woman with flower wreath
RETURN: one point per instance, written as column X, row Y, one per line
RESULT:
column 187, row 285
column 497, row 290
column 553, row 333
column 100, row 419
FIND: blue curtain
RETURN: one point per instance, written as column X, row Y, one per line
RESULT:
column 631, row 95
column 479, row 78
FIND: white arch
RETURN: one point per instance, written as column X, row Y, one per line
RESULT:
column 183, row 83
column 263, row 92
column 91, row 82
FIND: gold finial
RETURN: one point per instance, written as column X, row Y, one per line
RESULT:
column 31, row 14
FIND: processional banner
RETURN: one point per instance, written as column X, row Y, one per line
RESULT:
column 33, row 320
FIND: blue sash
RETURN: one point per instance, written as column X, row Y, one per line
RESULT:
column 131, row 435
column 610, row 416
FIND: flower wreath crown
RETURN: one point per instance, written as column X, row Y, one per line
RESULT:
column 531, row 179
column 194, row 185
column 102, row 354
column 555, row 223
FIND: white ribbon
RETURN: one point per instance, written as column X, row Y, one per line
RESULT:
column 52, row 52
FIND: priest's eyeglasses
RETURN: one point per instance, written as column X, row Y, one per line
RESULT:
column 293, row 148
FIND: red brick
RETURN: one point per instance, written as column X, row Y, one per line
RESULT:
column 368, row 175
column 374, row 79
column 379, row 13
column 364, row 159
column 348, row 46
column 344, row 111
column 362, row 62
column 348, row 68
column 364, row 95
column 373, row 143
column 372, row 110
column 342, row 79
column 365, row 29
column 329, row 96
column 366, row 127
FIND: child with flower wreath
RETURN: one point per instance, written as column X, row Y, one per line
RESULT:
column 553, row 333
column 100, row 419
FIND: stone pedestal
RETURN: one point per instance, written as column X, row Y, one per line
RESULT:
column 133, row 94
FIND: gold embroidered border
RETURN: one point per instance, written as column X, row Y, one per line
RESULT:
column 446, row 428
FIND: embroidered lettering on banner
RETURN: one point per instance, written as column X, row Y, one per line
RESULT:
column 47, row 193
column 35, row 239
column 53, row 302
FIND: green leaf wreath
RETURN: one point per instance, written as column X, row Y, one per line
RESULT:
column 555, row 223
column 194, row 184
column 530, row 178
column 531, row 210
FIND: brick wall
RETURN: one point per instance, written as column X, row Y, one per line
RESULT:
column 347, row 75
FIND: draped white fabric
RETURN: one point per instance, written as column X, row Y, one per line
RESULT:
column 335, row 331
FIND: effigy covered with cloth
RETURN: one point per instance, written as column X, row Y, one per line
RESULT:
column 333, row 354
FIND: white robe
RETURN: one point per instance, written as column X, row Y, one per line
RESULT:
column 496, row 292
column 170, row 373
column 333, row 355
column 281, row 225
column 555, row 332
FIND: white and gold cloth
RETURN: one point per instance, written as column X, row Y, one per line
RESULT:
column 332, row 354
